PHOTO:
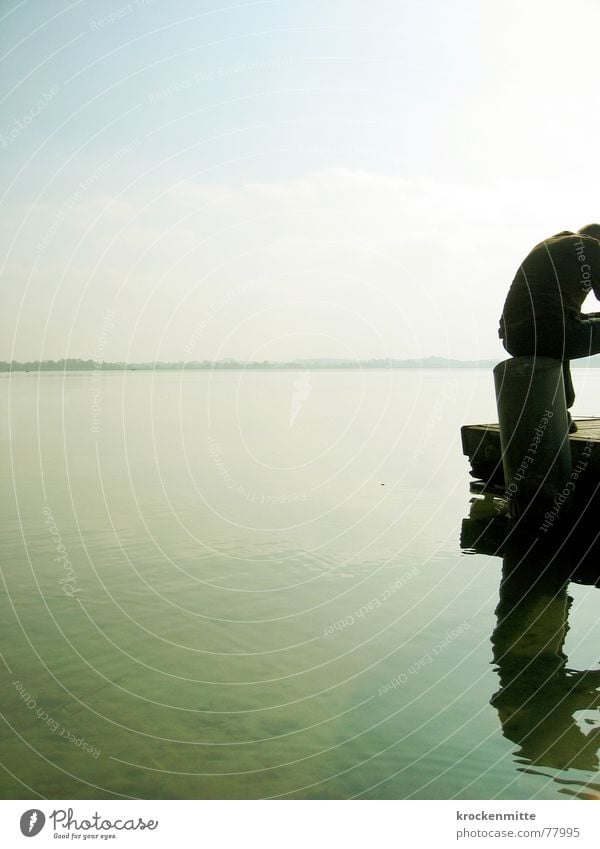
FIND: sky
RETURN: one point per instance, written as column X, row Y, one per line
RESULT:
column 285, row 178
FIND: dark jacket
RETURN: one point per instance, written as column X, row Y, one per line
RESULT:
column 552, row 284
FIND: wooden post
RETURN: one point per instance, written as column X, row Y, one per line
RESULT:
column 536, row 455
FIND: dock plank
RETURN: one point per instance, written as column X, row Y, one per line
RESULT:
column 481, row 444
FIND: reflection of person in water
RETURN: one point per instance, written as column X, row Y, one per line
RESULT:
column 538, row 694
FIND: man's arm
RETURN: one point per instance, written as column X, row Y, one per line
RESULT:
column 594, row 270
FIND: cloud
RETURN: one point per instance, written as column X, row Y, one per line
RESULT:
column 332, row 263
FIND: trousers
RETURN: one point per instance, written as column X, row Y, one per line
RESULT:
column 572, row 339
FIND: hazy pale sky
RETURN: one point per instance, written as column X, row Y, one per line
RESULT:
column 288, row 178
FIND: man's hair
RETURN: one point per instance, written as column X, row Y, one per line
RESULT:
column 592, row 230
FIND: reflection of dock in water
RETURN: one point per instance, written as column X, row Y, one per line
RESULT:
column 539, row 693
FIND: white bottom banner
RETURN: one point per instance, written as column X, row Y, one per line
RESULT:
column 298, row 824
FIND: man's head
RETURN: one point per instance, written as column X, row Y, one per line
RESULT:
column 592, row 230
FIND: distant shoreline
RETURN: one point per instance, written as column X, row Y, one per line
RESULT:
column 291, row 365
column 234, row 365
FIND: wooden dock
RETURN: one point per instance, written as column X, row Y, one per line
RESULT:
column 481, row 444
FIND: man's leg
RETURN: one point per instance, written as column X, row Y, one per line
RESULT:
column 569, row 389
column 583, row 340
column 577, row 337
column 569, row 394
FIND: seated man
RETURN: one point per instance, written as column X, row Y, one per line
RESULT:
column 542, row 312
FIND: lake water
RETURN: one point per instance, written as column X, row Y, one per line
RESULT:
column 251, row 585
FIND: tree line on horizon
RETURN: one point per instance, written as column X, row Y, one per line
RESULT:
column 77, row 364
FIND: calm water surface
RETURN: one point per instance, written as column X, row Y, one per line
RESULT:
column 250, row 585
